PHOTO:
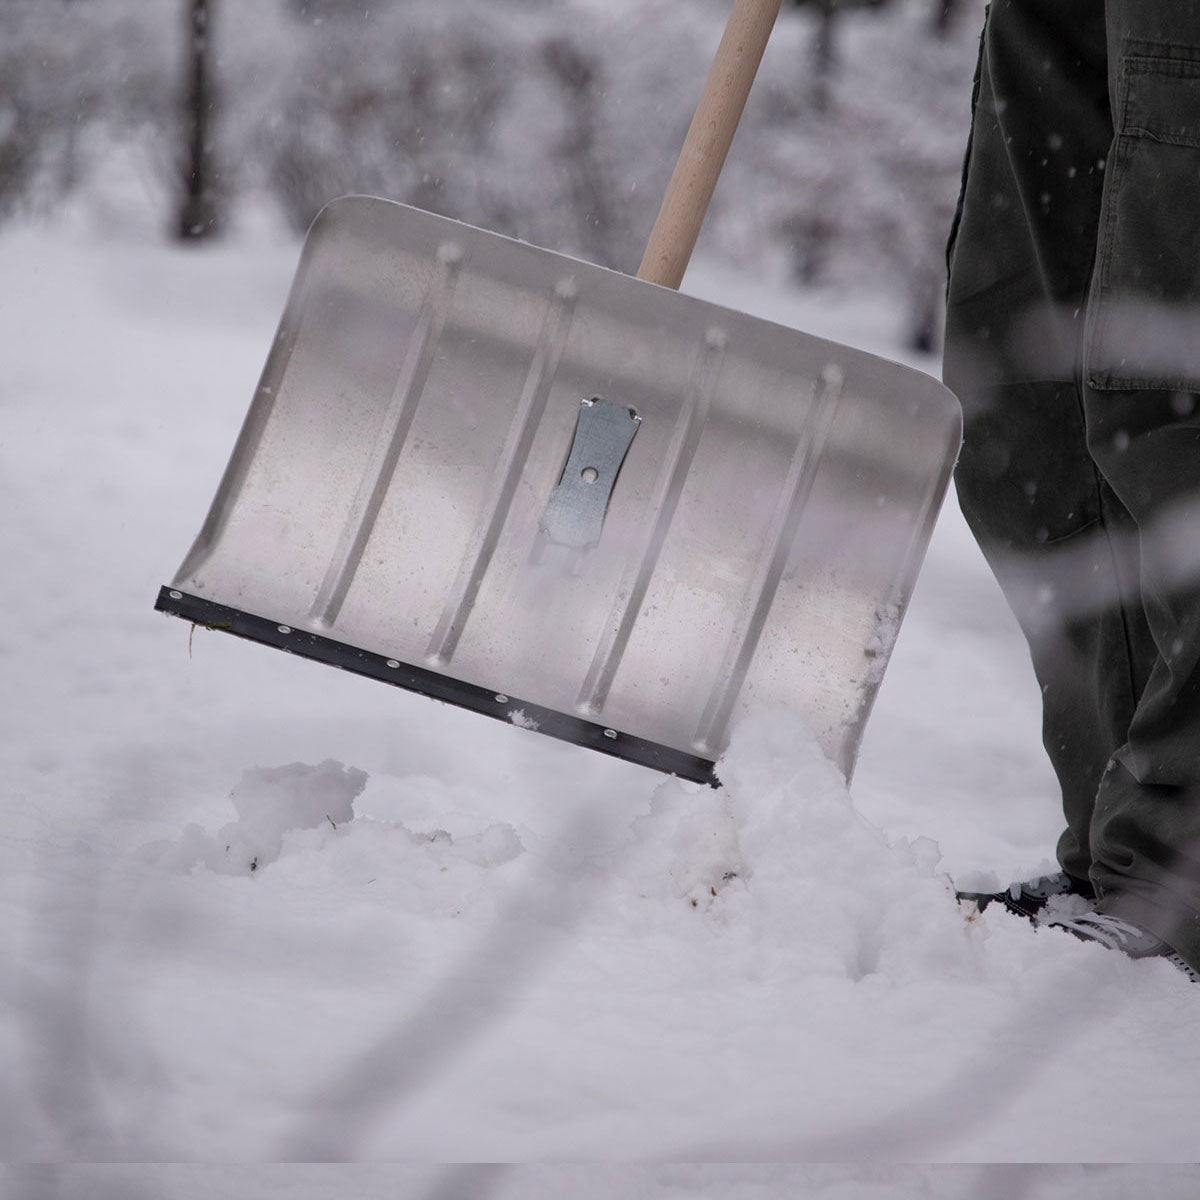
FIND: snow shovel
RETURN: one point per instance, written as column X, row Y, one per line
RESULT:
column 567, row 498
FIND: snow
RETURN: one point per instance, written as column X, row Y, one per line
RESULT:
column 436, row 938
column 271, row 804
column 521, row 719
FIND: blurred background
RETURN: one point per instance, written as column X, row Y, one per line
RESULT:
column 554, row 121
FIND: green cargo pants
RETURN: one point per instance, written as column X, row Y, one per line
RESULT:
column 1073, row 342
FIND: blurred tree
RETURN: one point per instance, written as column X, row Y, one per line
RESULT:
column 812, row 231
column 943, row 15
column 81, row 84
column 408, row 109
column 824, row 48
column 577, row 73
column 198, row 217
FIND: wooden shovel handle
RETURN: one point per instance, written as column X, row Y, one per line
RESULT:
column 703, row 154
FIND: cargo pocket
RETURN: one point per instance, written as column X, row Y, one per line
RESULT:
column 1144, row 307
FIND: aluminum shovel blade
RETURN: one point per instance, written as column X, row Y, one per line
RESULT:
column 569, row 498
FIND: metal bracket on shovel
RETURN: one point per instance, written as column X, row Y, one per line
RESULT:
column 402, row 463
column 574, row 515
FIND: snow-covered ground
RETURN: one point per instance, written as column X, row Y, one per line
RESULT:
column 482, row 944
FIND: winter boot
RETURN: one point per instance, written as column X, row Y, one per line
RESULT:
column 1118, row 934
column 1028, row 899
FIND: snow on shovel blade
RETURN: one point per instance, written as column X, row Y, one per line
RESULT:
column 569, row 498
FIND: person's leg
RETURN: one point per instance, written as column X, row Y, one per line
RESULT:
column 1060, row 542
column 1142, row 403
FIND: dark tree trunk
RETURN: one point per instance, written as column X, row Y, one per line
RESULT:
column 824, row 56
column 198, row 216
column 925, row 314
column 943, row 15
column 577, row 74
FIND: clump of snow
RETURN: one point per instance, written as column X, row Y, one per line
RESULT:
column 270, row 803
column 490, row 847
column 521, row 720
column 298, row 811
column 1059, row 908
column 822, row 880
column 780, row 856
column 685, row 849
